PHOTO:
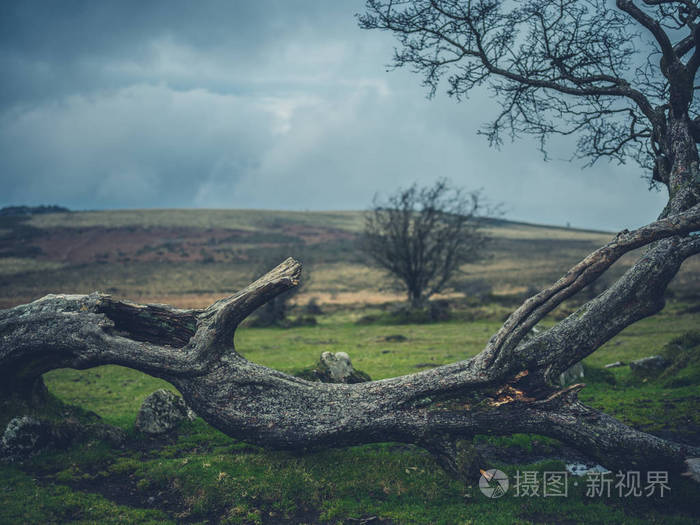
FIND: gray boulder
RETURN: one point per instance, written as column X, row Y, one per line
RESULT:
column 649, row 365
column 113, row 435
column 337, row 367
column 693, row 469
column 571, row 375
column 161, row 412
column 334, row 368
column 23, row 436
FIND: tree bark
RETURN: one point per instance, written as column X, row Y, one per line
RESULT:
column 512, row 378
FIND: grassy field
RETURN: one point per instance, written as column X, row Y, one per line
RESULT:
column 198, row 475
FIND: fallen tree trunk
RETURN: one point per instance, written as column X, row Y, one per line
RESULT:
column 513, row 377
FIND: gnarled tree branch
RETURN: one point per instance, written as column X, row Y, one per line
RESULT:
column 194, row 350
column 521, row 321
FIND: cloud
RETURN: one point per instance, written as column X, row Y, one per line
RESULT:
column 259, row 104
column 90, row 151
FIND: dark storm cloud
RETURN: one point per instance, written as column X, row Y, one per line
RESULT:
column 50, row 48
column 275, row 104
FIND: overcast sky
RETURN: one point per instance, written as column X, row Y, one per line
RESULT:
column 256, row 104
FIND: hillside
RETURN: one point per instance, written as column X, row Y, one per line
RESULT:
column 191, row 257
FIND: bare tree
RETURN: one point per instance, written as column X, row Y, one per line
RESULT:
column 558, row 67
column 423, row 235
column 621, row 78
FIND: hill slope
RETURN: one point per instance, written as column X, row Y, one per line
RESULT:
column 190, row 257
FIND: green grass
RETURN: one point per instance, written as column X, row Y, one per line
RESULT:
column 429, row 344
column 202, row 476
column 205, row 477
column 669, row 403
column 113, row 392
column 23, row 500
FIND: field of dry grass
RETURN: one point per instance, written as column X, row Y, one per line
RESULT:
column 198, row 219
column 191, row 257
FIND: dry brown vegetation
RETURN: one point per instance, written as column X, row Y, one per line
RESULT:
column 190, row 257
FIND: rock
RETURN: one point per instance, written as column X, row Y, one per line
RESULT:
column 23, row 436
column 113, row 435
column 394, row 338
column 649, row 365
column 693, row 471
column 571, row 374
column 534, row 332
column 585, row 469
column 334, row 368
column 26, row 435
column 161, row 412
column 614, row 365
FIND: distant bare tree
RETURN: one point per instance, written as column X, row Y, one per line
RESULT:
column 422, row 235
